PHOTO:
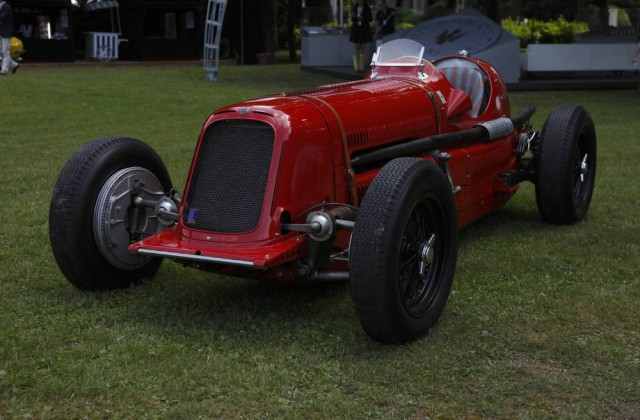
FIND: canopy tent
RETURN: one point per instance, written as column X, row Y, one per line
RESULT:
column 100, row 4
column 114, row 12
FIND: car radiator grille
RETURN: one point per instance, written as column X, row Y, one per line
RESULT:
column 230, row 177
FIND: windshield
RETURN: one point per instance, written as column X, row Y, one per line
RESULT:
column 399, row 52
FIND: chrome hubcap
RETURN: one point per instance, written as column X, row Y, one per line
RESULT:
column 427, row 254
column 422, row 256
column 584, row 168
column 117, row 221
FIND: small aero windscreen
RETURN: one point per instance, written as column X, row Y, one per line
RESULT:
column 230, row 177
column 399, row 52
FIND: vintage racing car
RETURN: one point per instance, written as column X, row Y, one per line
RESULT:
column 366, row 182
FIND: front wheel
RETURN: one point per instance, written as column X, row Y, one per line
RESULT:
column 93, row 219
column 404, row 250
column 566, row 165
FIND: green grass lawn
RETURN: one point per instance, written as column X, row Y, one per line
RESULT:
column 544, row 321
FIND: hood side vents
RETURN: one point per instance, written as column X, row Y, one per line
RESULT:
column 358, row 139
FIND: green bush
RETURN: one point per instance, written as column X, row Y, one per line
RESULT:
column 405, row 15
column 331, row 25
column 405, row 25
column 404, row 18
column 533, row 31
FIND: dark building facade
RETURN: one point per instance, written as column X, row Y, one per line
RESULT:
column 161, row 29
column 56, row 30
column 46, row 28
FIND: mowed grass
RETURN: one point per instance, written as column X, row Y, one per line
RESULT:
column 544, row 321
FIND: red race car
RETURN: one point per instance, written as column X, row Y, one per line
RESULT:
column 366, row 182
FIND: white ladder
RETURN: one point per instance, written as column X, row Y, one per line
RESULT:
column 212, row 35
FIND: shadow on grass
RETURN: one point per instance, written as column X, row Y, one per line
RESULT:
column 185, row 302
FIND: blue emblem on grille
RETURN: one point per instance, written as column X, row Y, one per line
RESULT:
column 191, row 215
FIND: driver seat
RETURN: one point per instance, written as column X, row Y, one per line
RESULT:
column 469, row 78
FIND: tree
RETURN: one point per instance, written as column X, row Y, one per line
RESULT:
column 603, row 14
column 492, row 9
column 294, row 14
column 268, row 25
column 255, row 31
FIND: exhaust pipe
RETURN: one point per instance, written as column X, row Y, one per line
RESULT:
column 486, row 131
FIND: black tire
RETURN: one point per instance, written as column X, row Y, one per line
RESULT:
column 409, row 201
column 564, row 186
column 72, row 211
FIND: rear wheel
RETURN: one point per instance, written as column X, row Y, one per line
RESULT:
column 92, row 219
column 404, row 250
column 566, row 168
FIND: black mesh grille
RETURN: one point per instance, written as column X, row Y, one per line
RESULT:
column 230, row 177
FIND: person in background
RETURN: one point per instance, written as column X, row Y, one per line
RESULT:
column 6, row 31
column 361, row 18
column 385, row 20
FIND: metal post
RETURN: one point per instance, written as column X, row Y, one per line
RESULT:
column 212, row 35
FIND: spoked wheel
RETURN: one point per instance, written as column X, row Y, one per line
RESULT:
column 421, row 257
column 584, row 174
column 566, row 165
column 404, row 250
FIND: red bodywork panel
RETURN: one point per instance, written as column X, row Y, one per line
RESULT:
column 318, row 132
